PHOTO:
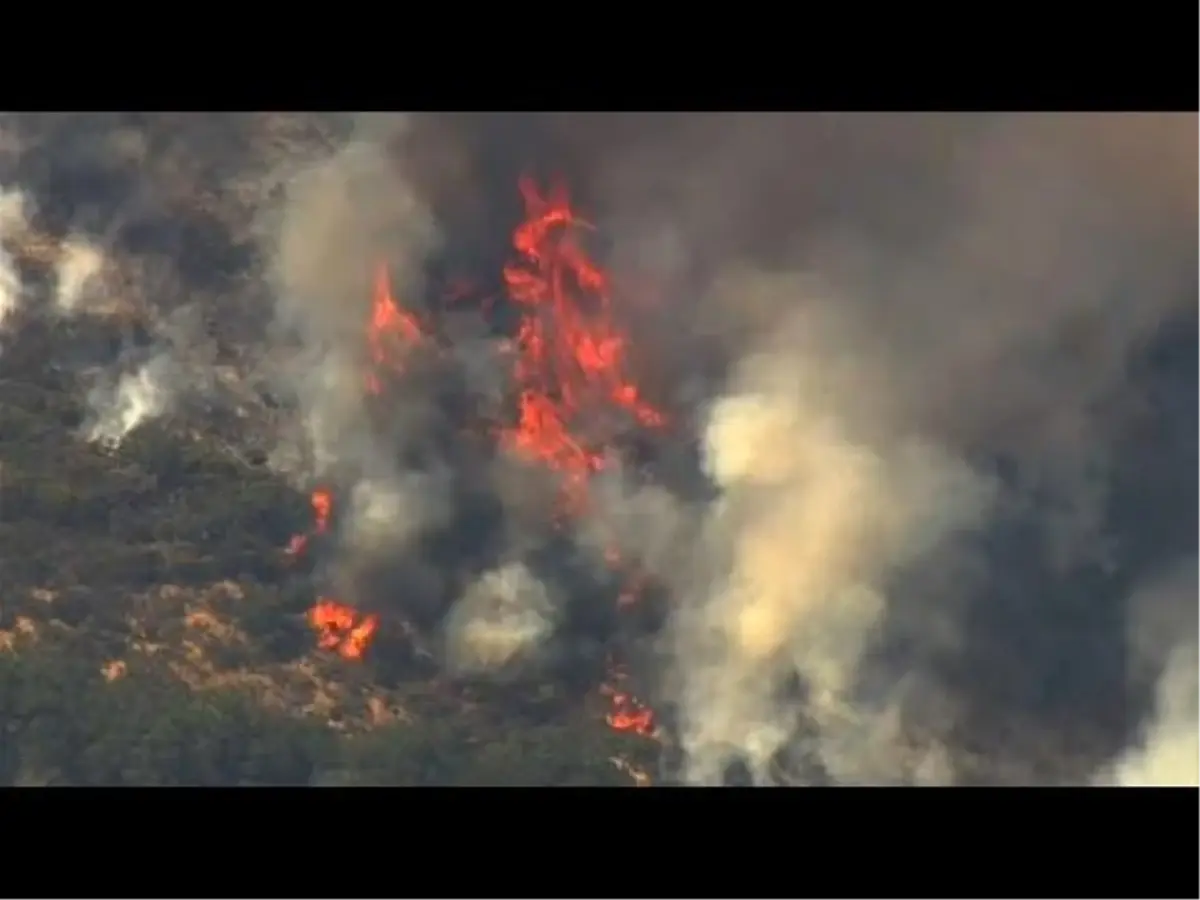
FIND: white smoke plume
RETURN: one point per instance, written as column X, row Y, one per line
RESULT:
column 1166, row 617
column 343, row 217
column 991, row 278
column 12, row 222
column 813, row 519
column 10, row 287
column 136, row 398
column 501, row 618
column 76, row 273
column 391, row 510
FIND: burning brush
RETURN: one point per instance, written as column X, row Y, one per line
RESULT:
column 567, row 368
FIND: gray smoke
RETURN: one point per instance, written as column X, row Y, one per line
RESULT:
column 79, row 267
column 812, row 521
column 12, row 222
column 1165, row 622
column 343, row 216
column 118, row 408
column 503, row 615
column 904, row 346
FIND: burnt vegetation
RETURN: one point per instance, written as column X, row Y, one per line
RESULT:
column 152, row 631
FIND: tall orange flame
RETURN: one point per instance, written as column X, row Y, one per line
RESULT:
column 569, row 370
column 569, row 354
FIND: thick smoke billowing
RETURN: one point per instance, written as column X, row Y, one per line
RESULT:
column 505, row 614
column 925, row 508
column 812, row 522
column 909, row 356
column 342, row 217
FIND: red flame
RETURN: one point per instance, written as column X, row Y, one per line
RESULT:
column 570, row 356
column 322, row 505
column 391, row 331
column 570, row 364
column 627, row 712
column 340, row 628
column 569, row 371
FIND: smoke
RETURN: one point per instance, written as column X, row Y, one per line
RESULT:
column 134, row 399
column 812, row 522
column 903, row 347
column 12, row 222
column 391, row 510
column 1166, row 750
column 1170, row 753
column 990, row 283
column 503, row 616
column 79, row 264
column 176, row 372
column 344, row 216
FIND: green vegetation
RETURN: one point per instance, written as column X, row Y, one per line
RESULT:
column 70, row 720
column 151, row 633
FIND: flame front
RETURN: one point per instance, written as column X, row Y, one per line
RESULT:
column 569, row 375
column 569, row 354
column 340, row 628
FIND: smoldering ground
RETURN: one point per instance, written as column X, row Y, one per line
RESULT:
column 921, row 360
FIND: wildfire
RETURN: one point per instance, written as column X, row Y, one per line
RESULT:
column 340, row 628
column 570, row 356
column 322, row 505
column 391, row 331
column 570, row 364
column 569, row 373
column 627, row 713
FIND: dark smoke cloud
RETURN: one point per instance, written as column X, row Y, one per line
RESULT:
column 926, row 512
column 930, row 366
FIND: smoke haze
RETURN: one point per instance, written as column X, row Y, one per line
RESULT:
column 931, row 385
column 988, row 285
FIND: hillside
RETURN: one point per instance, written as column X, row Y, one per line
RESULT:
column 358, row 478
column 152, row 629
